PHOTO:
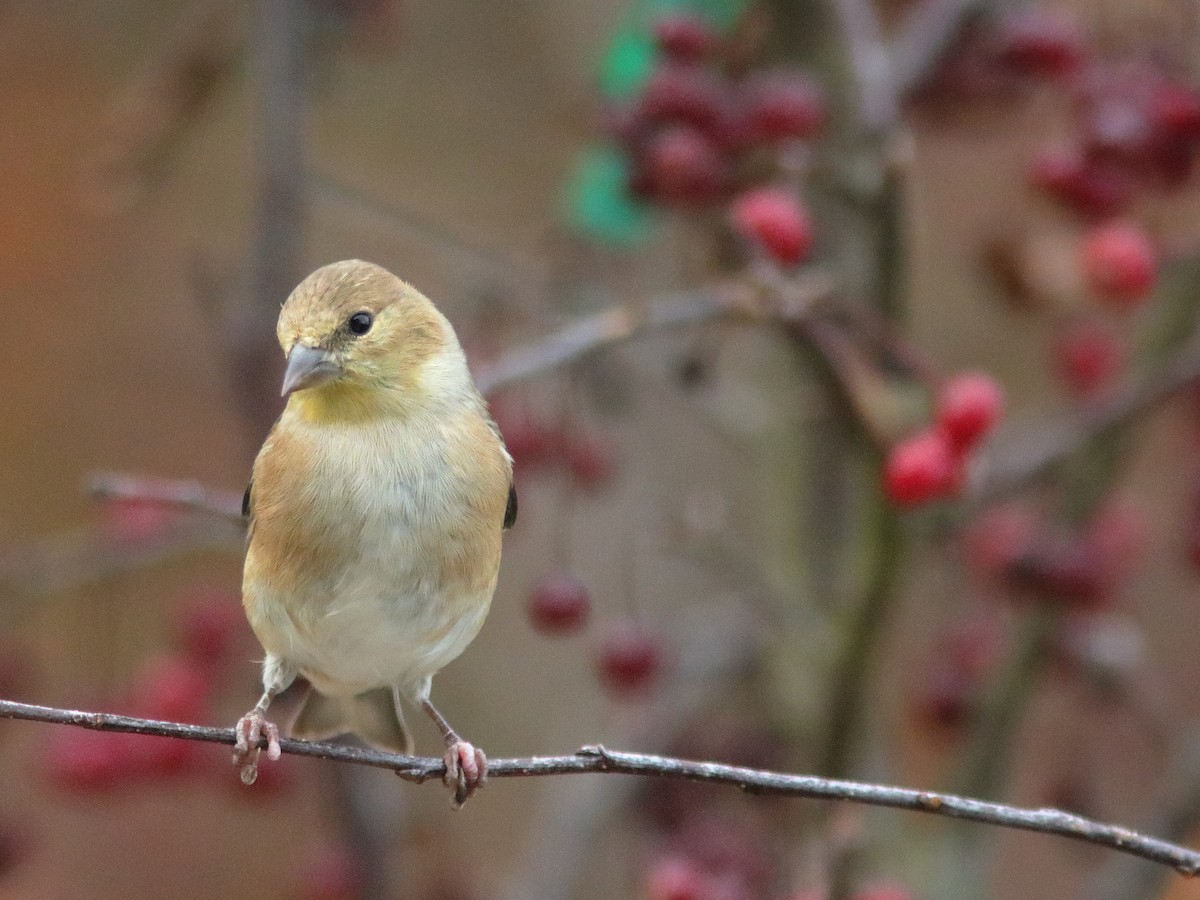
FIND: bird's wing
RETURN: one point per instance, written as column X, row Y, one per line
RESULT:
column 510, row 511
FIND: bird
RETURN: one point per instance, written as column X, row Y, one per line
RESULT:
column 376, row 508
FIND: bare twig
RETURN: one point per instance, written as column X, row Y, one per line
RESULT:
column 1030, row 452
column 598, row 759
column 877, row 106
column 187, row 494
column 621, row 323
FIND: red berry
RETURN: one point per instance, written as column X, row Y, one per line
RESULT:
column 1176, row 108
column 133, row 520
column 774, row 220
column 591, row 460
column 173, row 689
column 781, row 105
column 1088, row 356
column 968, row 407
column 88, row 762
column 630, row 659
column 209, row 625
column 682, row 165
column 560, row 604
column 998, row 538
column 1070, row 573
column 681, row 93
column 1119, row 263
column 948, row 697
column 1116, row 535
column 919, row 469
column 531, row 441
column 331, row 872
column 1088, row 188
column 684, row 37
column 1041, row 43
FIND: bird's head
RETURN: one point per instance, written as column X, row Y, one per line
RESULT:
column 356, row 336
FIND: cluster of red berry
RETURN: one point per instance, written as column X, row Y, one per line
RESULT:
column 1136, row 133
column 694, row 135
column 629, row 655
column 176, row 688
column 537, row 444
column 933, row 462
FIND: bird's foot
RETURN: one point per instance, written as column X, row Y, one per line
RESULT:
column 466, row 770
column 250, row 729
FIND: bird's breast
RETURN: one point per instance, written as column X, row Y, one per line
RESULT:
column 374, row 541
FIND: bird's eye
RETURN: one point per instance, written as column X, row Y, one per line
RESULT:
column 360, row 323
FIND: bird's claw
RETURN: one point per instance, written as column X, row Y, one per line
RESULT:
column 250, row 730
column 466, row 770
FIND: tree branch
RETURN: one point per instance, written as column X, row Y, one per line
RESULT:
column 621, row 323
column 1037, row 449
column 187, row 494
column 598, row 759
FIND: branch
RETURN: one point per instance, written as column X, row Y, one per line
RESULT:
column 597, row 759
column 191, row 495
column 1038, row 449
column 622, row 323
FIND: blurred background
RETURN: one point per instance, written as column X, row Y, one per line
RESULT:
column 785, row 531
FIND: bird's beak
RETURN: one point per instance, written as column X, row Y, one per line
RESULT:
column 308, row 367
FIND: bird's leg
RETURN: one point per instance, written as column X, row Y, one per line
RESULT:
column 251, row 727
column 466, row 764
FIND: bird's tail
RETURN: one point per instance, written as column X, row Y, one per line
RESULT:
column 374, row 716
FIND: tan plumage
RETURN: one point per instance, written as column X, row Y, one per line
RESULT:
column 377, row 504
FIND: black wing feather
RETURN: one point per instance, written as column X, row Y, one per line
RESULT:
column 510, row 511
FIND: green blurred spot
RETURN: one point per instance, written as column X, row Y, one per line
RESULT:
column 598, row 199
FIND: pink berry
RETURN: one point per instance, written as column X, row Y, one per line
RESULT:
column 560, row 604
column 684, row 37
column 968, row 407
column 774, row 220
column 919, row 469
column 1088, row 356
column 781, row 105
column 1119, row 264
column 683, row 166
column 675, row 878
column 630, row 659
column 135, row 520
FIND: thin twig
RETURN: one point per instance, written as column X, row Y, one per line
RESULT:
column 870, row 64
column 186, row 494
column 622, row 323
column 598, row 759
column 1032, row 451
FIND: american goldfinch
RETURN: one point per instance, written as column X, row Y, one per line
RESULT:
column 376, row 509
